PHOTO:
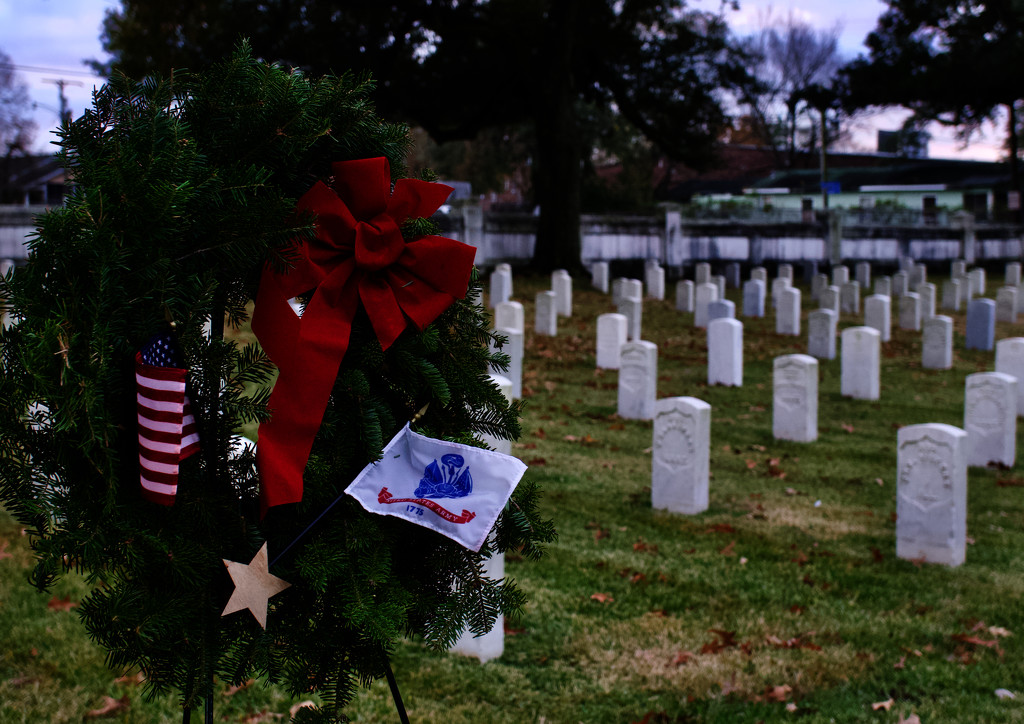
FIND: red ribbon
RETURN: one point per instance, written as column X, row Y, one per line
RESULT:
column 358, row 255
column 384, row 496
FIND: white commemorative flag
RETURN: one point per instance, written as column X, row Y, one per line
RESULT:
column 454, row 489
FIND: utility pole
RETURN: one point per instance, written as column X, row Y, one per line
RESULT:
column 65, row 111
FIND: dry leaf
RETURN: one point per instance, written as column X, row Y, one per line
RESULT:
column 307, row 704
column 999, row 631
column 601, row 597
column 549, row 385
column 886, row 705
column 791, row 706
column 110, row 707
column 729, row 549
column 61, row 604
column 682, row 658
column 848, row 428
column 778, row 693
column 912, row 719
column 3, row 550
column 232, row 690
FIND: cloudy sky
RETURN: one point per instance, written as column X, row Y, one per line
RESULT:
column 48, row 40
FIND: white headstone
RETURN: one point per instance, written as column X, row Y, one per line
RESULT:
column 654, row 276
column 632, row 308
column 863, row 273
column 860, row 363
column 719, row 281
column 878, row 315
column 849, row 298
column 705, row 294
column 510, row 315
column 612, row 333
column 634, row 288
column 918, row 276
column 795, row 398
column 514, row 349
column 829, row 299
column 899, row 284
column 778, row 284
column 725, row 352
column 1006, row 304
column 818, row 284
column 927, row 292
column 680, row 454
column 1012, row 275
column 883, row 286
column 1010, row 361
column 840, row 275
column 618, row 289
column 759, row 272
column 496, row 443
column 547, row 314
column 786, row 271
column 937, row 343
column 490, row 645
column 753, row 298
column 990, row 418
column 599, row 276
column 787, row 316
column 561, row 285
column 701, row 273
column 952, row 294
column 684, row 296
column 931, row 493
column 821, row 333
column 977, row 276
column 501, row 285
column 638, row 380
column 910, row 311
column 958, row 268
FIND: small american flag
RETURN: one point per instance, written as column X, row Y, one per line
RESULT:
column 167, row 428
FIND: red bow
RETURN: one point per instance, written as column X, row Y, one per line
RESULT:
column 358, row 254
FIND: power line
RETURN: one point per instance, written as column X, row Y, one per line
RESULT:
column 56, row 71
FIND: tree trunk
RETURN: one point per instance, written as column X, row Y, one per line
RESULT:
column 1013, row 146
column 556, row 172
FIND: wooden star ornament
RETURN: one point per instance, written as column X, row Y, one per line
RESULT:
column 254, row 586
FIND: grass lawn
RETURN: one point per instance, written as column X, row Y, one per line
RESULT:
column 783, row 602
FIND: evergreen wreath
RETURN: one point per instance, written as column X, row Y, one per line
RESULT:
column 183, row 188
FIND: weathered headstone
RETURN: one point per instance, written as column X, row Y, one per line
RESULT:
column 787, row 315
column 634, row 288
column 849, row 298
column 514, row 349
column 547, row 314
column 655, row 278
column 753, row 298
column 957, row 268
column 612, row 333
column 937, row 343
column 931, row 493
column 883, row 286
column 990, row 418
column 952, row 295
column 840, row 275
column 899, row 284
column 618, row 289
column 778, row 284
column 721, row 308
column 860, row 361
column 632, row 308
column 818, row 284
column 701, row 273
column 725, row 352
column 1010, row 361
column 705, row 294
column 785, row 271
column 910, row 311
column 928, row 293
column 977, row 275
column 732, row 275
column 719, row 280
column 510, row 315
column 795, row 398
column 821, row 333
column 878, row 315
column 638, row 380
column 863, row 274
column 561, row 285
column 501, row 285
column 1006, row 304
column 829, row 298
column 1012, row 274
column 684, row 296
column 918, row 276
column 906, row 263
column 599, row 276
column 680, row 455
column 981, row 324
column 759, row 272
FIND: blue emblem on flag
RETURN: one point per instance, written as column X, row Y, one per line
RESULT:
column 447, row 480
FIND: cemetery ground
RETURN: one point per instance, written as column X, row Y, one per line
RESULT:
column 782, row 602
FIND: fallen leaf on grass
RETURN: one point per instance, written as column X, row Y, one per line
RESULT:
column 19, row 682
column 723, row 640
column 751, row 464
column 729, row 549
column 791, row 706
column 682, row 658
column 3, row 551
column 110, row 707
column 61, row 604
column 131, row 679
column 999, row 631
column 720, row 528
column 777, row 693
column 232, row 690
column 912, row 719
column 601, row 597
column 884, row 705
column 537, row 461
column 510, row 631
column 847, row 427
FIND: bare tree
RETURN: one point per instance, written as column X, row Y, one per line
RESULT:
column 788, row 58
column 17, row 129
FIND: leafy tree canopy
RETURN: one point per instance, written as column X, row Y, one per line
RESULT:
column 455, row 68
